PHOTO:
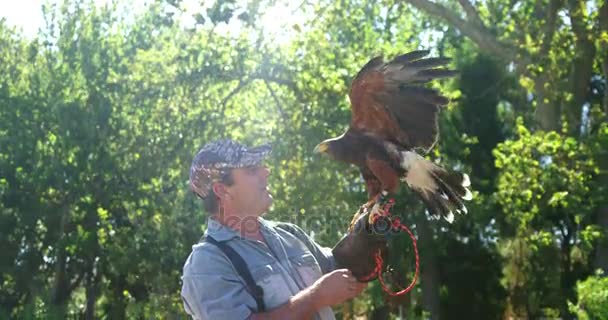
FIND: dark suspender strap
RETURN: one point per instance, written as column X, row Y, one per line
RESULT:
column 241, row 267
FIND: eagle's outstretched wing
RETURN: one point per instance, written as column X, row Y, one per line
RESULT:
column 393, row 113
column 389, row 101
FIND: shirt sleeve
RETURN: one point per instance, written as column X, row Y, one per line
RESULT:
column 323, row 255
column 211, row 288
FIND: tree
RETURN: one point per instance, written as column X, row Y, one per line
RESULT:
column 101, row 113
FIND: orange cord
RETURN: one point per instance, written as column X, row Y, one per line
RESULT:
column 396, row 223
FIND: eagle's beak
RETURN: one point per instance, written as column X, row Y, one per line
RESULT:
column 321, row 148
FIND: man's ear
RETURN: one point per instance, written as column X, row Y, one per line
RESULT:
column 221, row 190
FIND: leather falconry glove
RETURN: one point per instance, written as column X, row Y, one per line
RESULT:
column 356, row 251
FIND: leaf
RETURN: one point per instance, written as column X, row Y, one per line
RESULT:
column 558, row 198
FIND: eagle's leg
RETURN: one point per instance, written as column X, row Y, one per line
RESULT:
column 370, row 206
column 375, row 209
column 362, row 210
column 359, row 212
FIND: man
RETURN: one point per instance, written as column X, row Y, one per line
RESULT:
column 297, row 276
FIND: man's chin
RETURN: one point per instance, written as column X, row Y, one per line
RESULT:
column 267, row 205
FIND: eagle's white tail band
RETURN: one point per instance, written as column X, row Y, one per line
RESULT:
column 420, row 178
column 418, row 171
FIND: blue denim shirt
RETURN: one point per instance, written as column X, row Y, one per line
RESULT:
column 212, row 288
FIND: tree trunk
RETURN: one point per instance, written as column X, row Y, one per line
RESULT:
column 567, row 281
column 603, row 23
column 601, row 251
column 546, row 114
column 92, row 290
column 60, row 292
column 605, row 67
column 429, row 274
column 582, row 64
column 63, row 285
column 117, row 303
column 517, row 260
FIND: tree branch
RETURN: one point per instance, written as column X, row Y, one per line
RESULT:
column 471, row 12
column 276, row 100
column 284, row 82
column 546, row 114
column 269, row 78
column 241, row 85
column 74, row 284
column 481, row 36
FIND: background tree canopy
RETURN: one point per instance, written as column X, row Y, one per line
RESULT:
column 102, row 111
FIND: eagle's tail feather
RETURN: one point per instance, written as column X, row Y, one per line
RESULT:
column 442, row 191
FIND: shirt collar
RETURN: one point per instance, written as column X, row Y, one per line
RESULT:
column 218, row 231
column 221, row 232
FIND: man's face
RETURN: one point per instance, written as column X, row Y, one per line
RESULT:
column 250, row 190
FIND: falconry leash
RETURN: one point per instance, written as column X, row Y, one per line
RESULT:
column 383, row 213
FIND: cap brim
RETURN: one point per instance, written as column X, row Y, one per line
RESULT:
column 264, row 149
column 256, row 155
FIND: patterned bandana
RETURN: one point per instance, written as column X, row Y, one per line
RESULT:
column 215, row 159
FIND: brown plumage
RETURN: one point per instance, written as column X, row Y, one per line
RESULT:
column 393, row 115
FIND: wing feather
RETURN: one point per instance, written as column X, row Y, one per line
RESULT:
column 389, row 101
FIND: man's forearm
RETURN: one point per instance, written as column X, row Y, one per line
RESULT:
column 301, row 306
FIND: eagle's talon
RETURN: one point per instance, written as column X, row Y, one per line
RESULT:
column 373, row 206
column 353, row 222
column 376, row 212
column 372, row 218
column 365, row 208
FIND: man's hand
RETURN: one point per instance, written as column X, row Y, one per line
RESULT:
column 331, row 289
column 336, row 287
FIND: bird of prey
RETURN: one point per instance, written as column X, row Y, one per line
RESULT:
column 394, row 117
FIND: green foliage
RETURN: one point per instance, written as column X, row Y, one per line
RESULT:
column 545, row 173
column 547, row 189
column 592, row 298
column 102, row 111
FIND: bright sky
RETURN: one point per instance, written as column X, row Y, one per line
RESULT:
column 27, row 15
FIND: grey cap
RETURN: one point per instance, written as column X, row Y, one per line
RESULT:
column 213, row 160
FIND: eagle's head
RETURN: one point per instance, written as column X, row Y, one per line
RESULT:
column 330, row 147
column 323, row 147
